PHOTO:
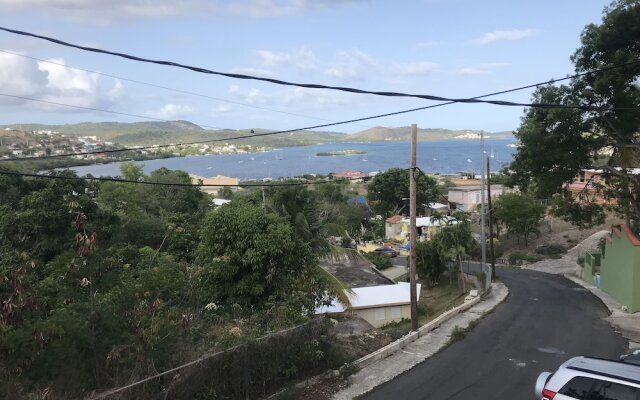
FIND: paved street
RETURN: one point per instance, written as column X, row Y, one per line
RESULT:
column 545, row 320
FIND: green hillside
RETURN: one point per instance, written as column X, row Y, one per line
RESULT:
column 403, row 133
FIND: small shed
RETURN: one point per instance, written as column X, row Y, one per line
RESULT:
column 378, row 305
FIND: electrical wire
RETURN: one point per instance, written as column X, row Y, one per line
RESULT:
column 313, row 85
column 549, row 82
column 151, row 183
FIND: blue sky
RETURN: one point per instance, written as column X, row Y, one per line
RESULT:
column 451, row 48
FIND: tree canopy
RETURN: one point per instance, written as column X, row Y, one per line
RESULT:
column 520, row 213
column 557, row 143
column 388, row 192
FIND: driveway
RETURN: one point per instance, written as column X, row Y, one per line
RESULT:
column 545, row 320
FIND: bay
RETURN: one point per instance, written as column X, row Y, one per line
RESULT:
column 444, row 156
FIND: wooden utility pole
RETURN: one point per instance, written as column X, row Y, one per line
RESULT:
column 413, row 230
column 490, row 214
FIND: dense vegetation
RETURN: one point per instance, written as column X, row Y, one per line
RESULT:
column 557, row 143
column 104, row 282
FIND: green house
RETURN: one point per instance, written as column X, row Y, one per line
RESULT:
column 619, row 268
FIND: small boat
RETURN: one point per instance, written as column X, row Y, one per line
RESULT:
column 209, row 167
column 252, row 159
column 364, row 160
column 468, row 160
column 435, row 159
column 492, row 155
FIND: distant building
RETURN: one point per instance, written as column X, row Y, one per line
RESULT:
column 583, row 187
column 392, row 226
column 215, row 183
column 351, row 174
column 467, row 198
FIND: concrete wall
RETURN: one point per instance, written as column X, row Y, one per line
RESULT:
column 591, row 267
column 369, row 314
column 620, row 268
column 392, row 230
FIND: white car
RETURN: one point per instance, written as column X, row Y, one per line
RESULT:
column 586, row 378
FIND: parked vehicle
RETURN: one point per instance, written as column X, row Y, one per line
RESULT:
column 632, row 358
column 386, row 250
column 587, row 378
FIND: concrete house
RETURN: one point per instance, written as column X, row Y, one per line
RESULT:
column 217, row 182
column 467, row 198
column 378, row 305
column 392, row 226
column 617, row 271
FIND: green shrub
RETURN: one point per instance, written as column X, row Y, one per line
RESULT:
column 381, row 261
column 551, row 249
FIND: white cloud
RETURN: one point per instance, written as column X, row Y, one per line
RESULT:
column 53, row 82
column 497, row 36
column 351, row 65
column 172, row 111
column 288, row 97
column 429, row 44
column 414, row 69
column 481, row 69
column 301, row 58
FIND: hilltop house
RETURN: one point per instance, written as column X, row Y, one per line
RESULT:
column 217, row 182
column 467, row 198
column 583, row 187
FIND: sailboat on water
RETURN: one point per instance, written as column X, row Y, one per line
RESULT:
column 492, row 155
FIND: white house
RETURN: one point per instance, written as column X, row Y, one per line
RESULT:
column 467, row 198
column 378, row 305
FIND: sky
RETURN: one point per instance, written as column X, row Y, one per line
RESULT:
column 449, row 48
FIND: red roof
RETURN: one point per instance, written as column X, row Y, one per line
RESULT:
column 350, row 173
column 394, row 219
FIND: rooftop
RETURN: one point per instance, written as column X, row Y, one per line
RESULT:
column 375, row 296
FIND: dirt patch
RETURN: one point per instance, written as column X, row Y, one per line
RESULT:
column 555, row 231
column 322, row 390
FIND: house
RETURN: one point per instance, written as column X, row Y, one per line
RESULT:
column 393, row 226
column 617, row 270
column 437, row 207
column 427, row 227
column 351, row 174
column 378, row 305
column 220, row 202
column 583, row 187
column 215, row 183
column 467, row 198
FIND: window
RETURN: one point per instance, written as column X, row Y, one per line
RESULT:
column 396, row 312
column 584, row 388
column 379, row 314
column 605, row 390
column 578, row 387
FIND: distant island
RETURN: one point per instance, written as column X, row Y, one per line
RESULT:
column 340, row 153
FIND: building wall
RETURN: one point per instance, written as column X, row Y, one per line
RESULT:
column 391, row 314
column 392, row 230
column 620, row 270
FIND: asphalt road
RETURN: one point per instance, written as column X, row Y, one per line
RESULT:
column 545, row 320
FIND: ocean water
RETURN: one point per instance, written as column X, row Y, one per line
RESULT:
column 445, row 156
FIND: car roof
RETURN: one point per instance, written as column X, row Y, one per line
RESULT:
column 608, row 368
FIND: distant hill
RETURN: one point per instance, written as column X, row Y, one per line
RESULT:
column 403, row 133
column 159, row 132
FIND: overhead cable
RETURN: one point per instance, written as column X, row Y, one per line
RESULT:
column 289, row 130
column 313, row 85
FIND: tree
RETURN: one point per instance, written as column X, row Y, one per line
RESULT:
column 520, row 213
column 453, row 243
column 429, row 263
column 225, row 193
column 388, row 192
column 557, row 143
column 254, row 255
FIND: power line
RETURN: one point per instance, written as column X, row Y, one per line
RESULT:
column 552, row 81
column 312, row 85
column 165, row 87
column 151, row 183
